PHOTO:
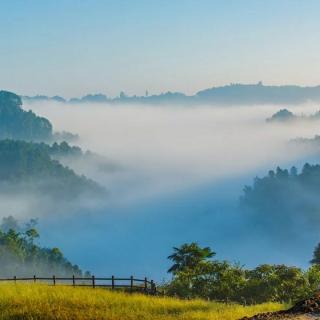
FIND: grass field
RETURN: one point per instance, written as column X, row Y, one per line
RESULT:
column 36, row 301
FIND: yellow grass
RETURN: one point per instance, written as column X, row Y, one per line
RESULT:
column 36, row 301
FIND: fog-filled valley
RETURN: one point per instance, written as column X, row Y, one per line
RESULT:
column 117, row 186
column 175, row 174
column 159, row 160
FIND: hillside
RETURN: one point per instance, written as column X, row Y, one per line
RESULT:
column 30, row 166
column 42, row 302
column 16, row 123
column 284, row 193
column 284, row 115
column 22, row 256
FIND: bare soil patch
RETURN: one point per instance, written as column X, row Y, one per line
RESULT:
column 308, row 309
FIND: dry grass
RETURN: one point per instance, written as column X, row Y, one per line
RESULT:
column 36, row 301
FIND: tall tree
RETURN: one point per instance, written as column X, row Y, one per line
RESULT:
column 189, row 256
column 316, row 255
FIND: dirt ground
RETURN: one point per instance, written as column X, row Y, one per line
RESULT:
column 308, row 309
column 284, row 317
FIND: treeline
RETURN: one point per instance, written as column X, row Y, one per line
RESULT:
column 22, row 256
column 197, row 275
column 285, row 193
column 16, row 123
column 284, row 115
column 59, row 150
column 27, row 162
column 30, row 164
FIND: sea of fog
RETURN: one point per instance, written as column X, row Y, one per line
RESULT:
column 177, row 176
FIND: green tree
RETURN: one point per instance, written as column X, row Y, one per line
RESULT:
column 195, row 275
column 313, row 278
column 316, row 255
column 20, row 256
column 189, row 256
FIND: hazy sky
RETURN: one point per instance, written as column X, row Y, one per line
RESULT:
column 70, row 47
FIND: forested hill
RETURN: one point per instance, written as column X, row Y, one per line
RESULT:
column 22, row 256
column 16, row 123
column 26, row 163
column 284, row 115
column 284, row 194
column 60, row 150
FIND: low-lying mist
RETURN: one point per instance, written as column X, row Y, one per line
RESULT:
column 168, row 149
column 173, row 175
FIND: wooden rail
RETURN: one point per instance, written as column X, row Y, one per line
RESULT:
column 130, row 284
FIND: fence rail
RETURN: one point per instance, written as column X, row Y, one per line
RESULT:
column 132, row 284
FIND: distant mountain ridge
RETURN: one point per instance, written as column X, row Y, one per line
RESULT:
column 233, row 94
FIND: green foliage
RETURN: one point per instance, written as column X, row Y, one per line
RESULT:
column 30, row 165
column 20, row 255
column 15, row 123
column 189, row 256
column 313, row 278
column 316, row 255
column 275, row 283
column 223, row 281
column 59, row 150
column 284, row 193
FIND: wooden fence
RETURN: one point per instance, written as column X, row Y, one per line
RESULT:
column 129, row 284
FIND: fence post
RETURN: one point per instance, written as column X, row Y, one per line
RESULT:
column 152, row 287
column 54, row 280
column 73, row 281
column 112, row 282
column 15, row 279
column 145, row 285
column 93, row 282
column 131, row 283
column 34, row 278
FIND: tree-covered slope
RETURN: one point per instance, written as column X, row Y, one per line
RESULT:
column 285, row 194
column 16, row 123
column 27, row 163
column 284, row 115
column 21, row 254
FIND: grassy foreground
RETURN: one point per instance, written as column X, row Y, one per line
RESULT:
column 36, row 301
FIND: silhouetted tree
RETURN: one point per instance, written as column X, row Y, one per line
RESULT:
column 316, row 255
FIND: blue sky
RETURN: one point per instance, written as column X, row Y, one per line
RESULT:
column 70, row 47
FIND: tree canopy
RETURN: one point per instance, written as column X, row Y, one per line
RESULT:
column 189, row 256
column 316, row 255
column 22, row 256
column 225, row 281
column 285, row 193
column 16, row 123
column 30, row 164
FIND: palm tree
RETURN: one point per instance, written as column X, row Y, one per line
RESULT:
column 189, row 256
